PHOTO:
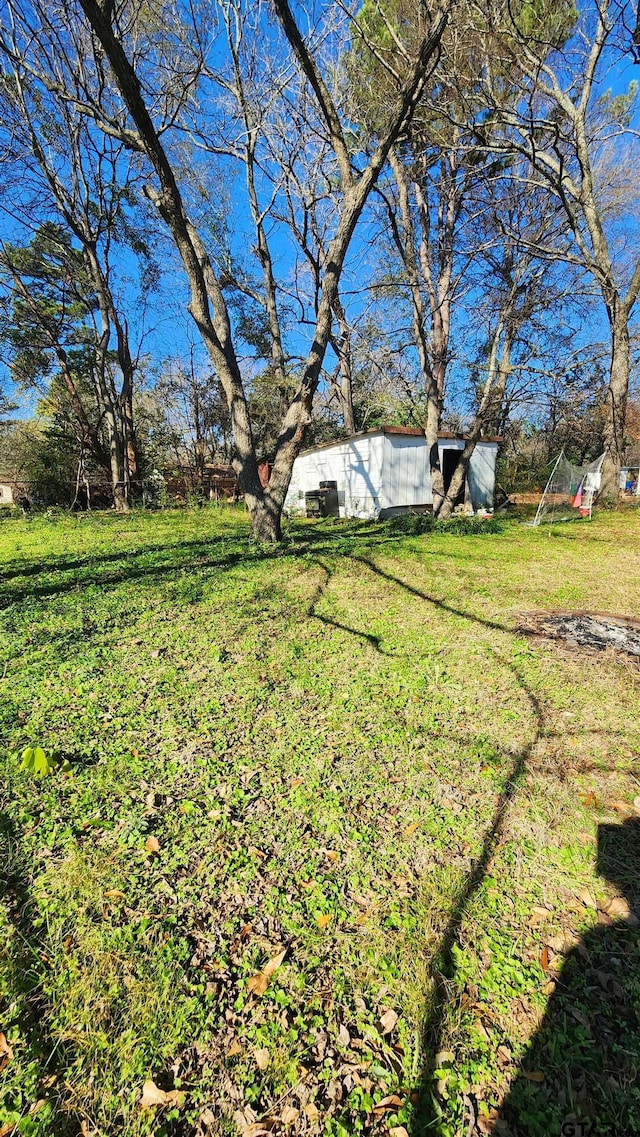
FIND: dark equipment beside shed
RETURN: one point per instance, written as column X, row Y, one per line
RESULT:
column 323, row 502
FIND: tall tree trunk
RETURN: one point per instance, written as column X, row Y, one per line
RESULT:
column 344, row 386
column 498, row 368
column 616, row 408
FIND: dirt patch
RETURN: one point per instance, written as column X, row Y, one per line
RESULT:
column 598, row 630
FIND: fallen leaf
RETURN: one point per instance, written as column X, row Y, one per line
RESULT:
column 258, row 983
column 411, row 828
column 538, row 914
column 618, row 909
column 587, row 899
column 153, row 1096
column 295, row 782
column 398, row 1131
column 331, row 855
column 590, row 800
column 622, row 807
column 257, row 853
column 6, row 1053
column 534, row 1076
column 388, row 1105
column 152, row 844
column 8, row 1129
column 444, row 1058
column 234, row 1049
column 289, row 1115
column 544, row 958
column 262, row 1057
column 343, row 1035
column 311, row 1111
column 487, row 1125
column 324, row 919
column 387, row 1021
column 115, row 894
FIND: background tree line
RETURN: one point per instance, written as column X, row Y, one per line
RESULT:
column 230, row 229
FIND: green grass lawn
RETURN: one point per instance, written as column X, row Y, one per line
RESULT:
column 342, row 750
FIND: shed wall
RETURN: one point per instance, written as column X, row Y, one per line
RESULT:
column 385, row 471
column 356, row 465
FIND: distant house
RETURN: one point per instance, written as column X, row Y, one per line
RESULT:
column 386, row 471
column 13, row 492
column 215, row 481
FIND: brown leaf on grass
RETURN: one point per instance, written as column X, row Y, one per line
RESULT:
column 332, row 856
column 388, row 1105
column 6, row 1053
column 324, row 919
column 398, row 1131
column 152, row 845
column 295, row 782
column 234, row 1049
column 587, row 899
column 262, row 1057
column 486, row 1124
column 387, row 1021
column 410, row 830
column 534, row 1076
column 538, row 914
column 312, row 1113
column 8, row 1129
column 258, row 983
column 544, row 958
column 153, row 1096
column 622, row 807
column 254, row 852
column 618, row 909
column 289, row 1115
column 590, row 800
column 115, row 894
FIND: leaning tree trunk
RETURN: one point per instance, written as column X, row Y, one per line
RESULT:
column 616, row 407
column 432, row 430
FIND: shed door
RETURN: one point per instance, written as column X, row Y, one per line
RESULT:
column 450, row 459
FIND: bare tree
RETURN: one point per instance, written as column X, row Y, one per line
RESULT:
column 581, row 146
column 87, row 182
column 138, row 105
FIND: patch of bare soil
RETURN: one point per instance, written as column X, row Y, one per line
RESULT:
column 598, row 630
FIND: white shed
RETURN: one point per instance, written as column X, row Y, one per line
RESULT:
column 386, row 470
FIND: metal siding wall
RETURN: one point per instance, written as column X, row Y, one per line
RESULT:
column 354, row 465
column 406, row 478
column 482, row 474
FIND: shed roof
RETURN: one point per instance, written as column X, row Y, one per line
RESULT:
column 411, row 431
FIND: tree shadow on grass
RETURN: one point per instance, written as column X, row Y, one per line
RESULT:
column 204, row 555
column 22, row 957
column 580, row 1074
column 579, row 1077
column 428, row 1111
